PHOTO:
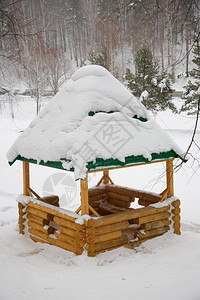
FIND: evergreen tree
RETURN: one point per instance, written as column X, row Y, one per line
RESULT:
column 192, row 95
column 147, row 84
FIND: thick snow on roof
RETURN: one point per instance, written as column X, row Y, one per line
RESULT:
column 92, row 116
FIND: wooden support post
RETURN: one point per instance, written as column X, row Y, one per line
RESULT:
column 84, row 197
column 105, row 176
column 26, row 179
column 170, row 178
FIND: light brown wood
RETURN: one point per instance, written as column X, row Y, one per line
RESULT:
column 104, row 237
column 73, row 233
column 68, row 224
column 156, row 224
column 78, row 209
column 176, row 203
column 93, row 211
column 170, row 178
column 153, row 232
column 107, row 245
column 152, row 218
column 37, row 220
column 33, row 192
column 144, row 202
column 38, row 213
column 21, row 228
column 37, row 240
column 164, row 194
column 176, row 211
column 118, row 202
column 94, row 192
column 41, row 228
column 176, row 218
column 139, row 164
column 107, row 228
column 52, row 211
column 121, row 197
column 70, row 240
column 84, row 197
column 152, row 197
column 21, row 209
column 26, row 178
column 57, row 242
column 105, row 176
column 127, row 215
column 132, row 245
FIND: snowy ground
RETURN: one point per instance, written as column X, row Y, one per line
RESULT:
column 164, row 268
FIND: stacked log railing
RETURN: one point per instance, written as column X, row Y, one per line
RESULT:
column 112, row 231
column 176, row 216
column 48, row 225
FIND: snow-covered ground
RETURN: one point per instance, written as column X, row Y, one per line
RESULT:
column 164, row 268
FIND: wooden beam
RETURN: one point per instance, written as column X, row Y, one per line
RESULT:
column 26, row 179
column 170, row 178
column 135, row 165
column 105, row 176
column 84, row 197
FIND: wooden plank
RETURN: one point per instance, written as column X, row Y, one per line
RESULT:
column 84, row 197
column 51, row 211
column 38, row 213
column 70, row 240
column 21, row 228
column 37, row 220
column 21, row 209
column 56, row 242
column 119, row 203
column 21, row 219
column 153, row 232
column 68, row 224
column 93, row 211
column 170, row 178
column 152, row 197
column 144, row 202
column 107, row 245
column 156, row 224
column 107, row 228
column 125, row 216
column 152, row 218
column 176, row 203
column 41, row 228
column 103, row 237
column 132, row 245
column 97, row 197
column 118, row 196
column 96, row 192
column 37, row 240
column 26, row 179
column 105, row 176
column 176, row 211
column 176, row 218
column 33, row 193
column 73, row 233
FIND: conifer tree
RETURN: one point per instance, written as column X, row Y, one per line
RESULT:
column 192, row 95
column 147, row 84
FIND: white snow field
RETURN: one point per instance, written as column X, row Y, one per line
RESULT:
column 167, row 267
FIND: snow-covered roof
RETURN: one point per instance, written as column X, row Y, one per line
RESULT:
column 93, row 122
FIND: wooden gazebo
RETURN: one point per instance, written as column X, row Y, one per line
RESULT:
column 105, row 219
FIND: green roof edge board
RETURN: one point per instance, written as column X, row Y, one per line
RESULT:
column 105, row 163
column 92, row 113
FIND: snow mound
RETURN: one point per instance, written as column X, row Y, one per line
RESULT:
column 92, row 116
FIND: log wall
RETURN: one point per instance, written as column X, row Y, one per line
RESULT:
column 129, row 228
column 47, row 225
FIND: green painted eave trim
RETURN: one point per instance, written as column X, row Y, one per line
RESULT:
column 92, row 113
column 101, row 163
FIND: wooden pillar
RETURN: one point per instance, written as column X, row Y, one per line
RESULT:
column 84, row 197
column 26, row 183
column 170, row 178
column 105, row 176
column 26, row 179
